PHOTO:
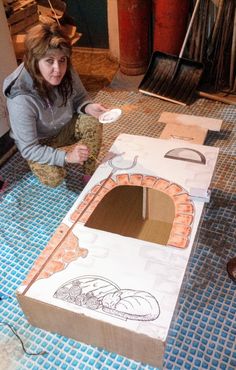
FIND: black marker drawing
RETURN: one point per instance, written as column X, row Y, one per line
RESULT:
column 100, row 294
column 186, row 154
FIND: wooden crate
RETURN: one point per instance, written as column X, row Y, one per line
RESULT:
column 25, row 13
column 18, row 44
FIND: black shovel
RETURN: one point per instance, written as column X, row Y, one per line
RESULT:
column 171, row 77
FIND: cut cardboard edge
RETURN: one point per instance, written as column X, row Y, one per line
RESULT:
column 78, row 326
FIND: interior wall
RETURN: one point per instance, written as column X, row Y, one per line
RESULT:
column 7, row 65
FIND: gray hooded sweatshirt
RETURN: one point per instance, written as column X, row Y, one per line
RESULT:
column 32, row 119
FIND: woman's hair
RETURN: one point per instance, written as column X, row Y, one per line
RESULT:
column 39, row 39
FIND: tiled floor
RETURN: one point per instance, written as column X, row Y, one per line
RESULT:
column 203, row 330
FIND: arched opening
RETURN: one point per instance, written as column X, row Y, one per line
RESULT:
column 125, row 210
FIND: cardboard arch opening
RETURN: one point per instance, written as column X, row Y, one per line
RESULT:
column 123, row 211
column 183, row 205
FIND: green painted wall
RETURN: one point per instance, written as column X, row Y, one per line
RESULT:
column 90, row 17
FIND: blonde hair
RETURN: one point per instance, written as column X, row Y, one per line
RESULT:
column 39, row 39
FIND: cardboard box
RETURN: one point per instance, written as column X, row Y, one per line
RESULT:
column 98, row 282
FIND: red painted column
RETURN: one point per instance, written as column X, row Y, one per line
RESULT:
column 134, row 17
column 170, row 18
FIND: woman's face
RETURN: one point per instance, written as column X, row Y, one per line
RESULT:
column 53, row 66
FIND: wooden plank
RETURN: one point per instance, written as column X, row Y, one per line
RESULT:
column 21, row 4
column 22, row 13
column 219, row 96
column 22, row 25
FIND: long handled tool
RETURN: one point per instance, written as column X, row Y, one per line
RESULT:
column 171, row 77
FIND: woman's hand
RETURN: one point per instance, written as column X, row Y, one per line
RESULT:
column 95, row 109
column 79, row 154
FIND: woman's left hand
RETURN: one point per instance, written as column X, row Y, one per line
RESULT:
column 95, row 109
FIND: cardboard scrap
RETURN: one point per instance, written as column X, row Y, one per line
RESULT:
column 211, row 124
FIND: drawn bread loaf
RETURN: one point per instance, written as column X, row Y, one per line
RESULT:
column 103, row 295
column 131, row 304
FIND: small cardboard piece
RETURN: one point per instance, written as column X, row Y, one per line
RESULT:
column 191, row 120
column 192, row 134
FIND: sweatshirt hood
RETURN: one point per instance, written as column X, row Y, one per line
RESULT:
column 17, row 83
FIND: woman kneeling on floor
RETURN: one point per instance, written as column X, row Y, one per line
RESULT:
column 53, row 121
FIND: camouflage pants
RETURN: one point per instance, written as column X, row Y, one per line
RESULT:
column 81, row 129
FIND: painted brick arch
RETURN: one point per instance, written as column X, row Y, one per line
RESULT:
column 64, row 248
column 184, row 209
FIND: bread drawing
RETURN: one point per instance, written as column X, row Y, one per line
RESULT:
column 102, row 295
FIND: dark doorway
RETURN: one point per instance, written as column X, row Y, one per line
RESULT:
column 90, row 17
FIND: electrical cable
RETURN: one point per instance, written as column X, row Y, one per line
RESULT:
column 4, row 296
column 21, row 341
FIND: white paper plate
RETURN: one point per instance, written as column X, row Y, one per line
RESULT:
column 110, row 116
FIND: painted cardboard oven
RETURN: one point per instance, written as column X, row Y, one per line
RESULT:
column 111, row 274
